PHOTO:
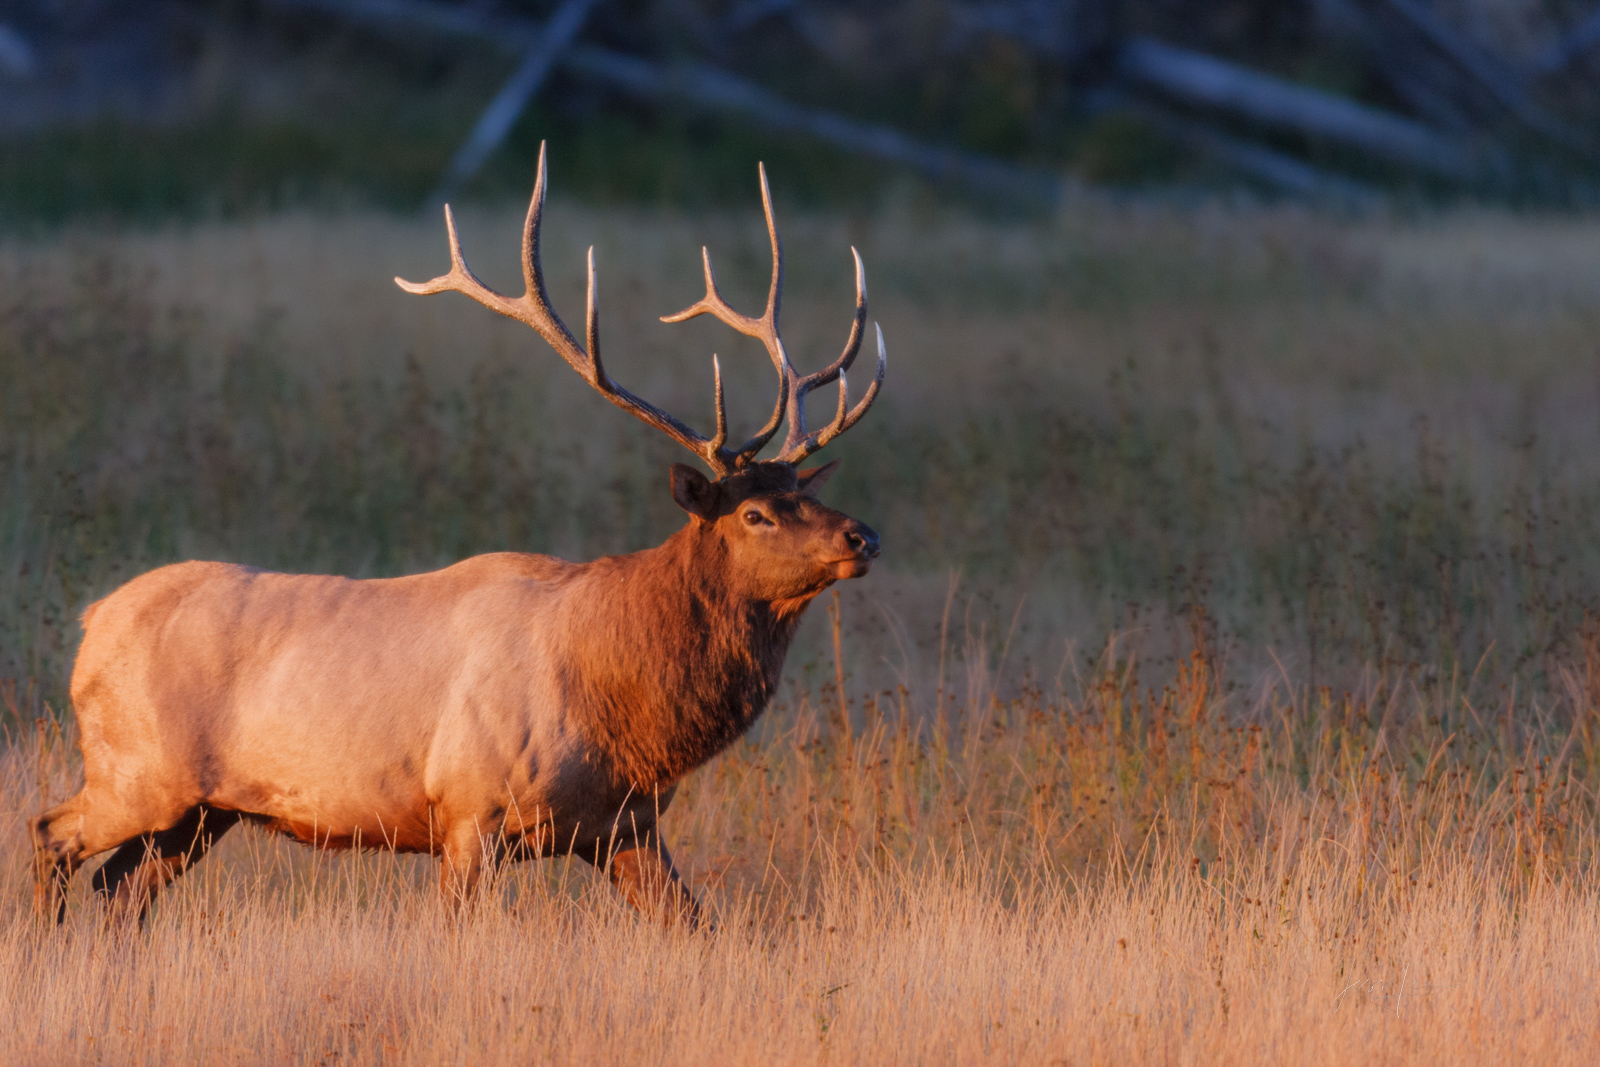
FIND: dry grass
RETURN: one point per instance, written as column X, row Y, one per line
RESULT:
column 1259, row 726
column 1084, row 880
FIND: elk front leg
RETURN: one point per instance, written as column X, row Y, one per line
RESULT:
column 462, row 864
column 646, row 877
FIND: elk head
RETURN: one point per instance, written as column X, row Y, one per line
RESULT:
column 759, row 518
column 767, row 531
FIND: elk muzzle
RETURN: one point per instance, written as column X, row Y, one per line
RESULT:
column 861, row 546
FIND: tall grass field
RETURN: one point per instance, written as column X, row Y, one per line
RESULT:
column 1228, row 690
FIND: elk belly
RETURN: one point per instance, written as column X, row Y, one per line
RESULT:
column 335, row 696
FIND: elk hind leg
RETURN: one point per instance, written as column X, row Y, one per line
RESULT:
column 63, row 838
column 58, row 852
column 140, row 868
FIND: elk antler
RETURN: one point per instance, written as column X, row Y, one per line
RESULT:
column 792, row 389
column 799, row 444
column 533, row 309
column 763, row 329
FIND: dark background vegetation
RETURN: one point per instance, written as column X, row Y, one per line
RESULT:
column 185, row 108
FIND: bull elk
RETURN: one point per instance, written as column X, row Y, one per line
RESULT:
column 510, row 706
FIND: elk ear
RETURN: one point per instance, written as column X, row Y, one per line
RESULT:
column 812, row 481
column 694, row 492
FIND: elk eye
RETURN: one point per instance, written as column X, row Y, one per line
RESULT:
column 754, row 517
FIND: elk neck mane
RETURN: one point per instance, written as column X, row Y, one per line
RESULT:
column 666, row 664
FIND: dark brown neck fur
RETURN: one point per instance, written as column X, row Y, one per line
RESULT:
column 669, row 665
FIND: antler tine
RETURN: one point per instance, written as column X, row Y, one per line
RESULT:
column 591, row 325
column 711, row 451
column 460, row 277
column 780, row 356
column 532, row 269
column 713, row 304
column 800, row 445
column 866, row 402
column 533, row 309
column 763, row 328
column 799, row 442
column 775, row 293
column 852, row 344
column 722, row 409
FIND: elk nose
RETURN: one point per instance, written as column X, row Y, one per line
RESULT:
column 863, row 541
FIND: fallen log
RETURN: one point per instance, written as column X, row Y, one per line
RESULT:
column 751, row 12
column 513, row 98
column 1268, row 166
column 16, row 55
column 713, row 89
column 1569, row 46
column 1500, row 83
column 1198, row 79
